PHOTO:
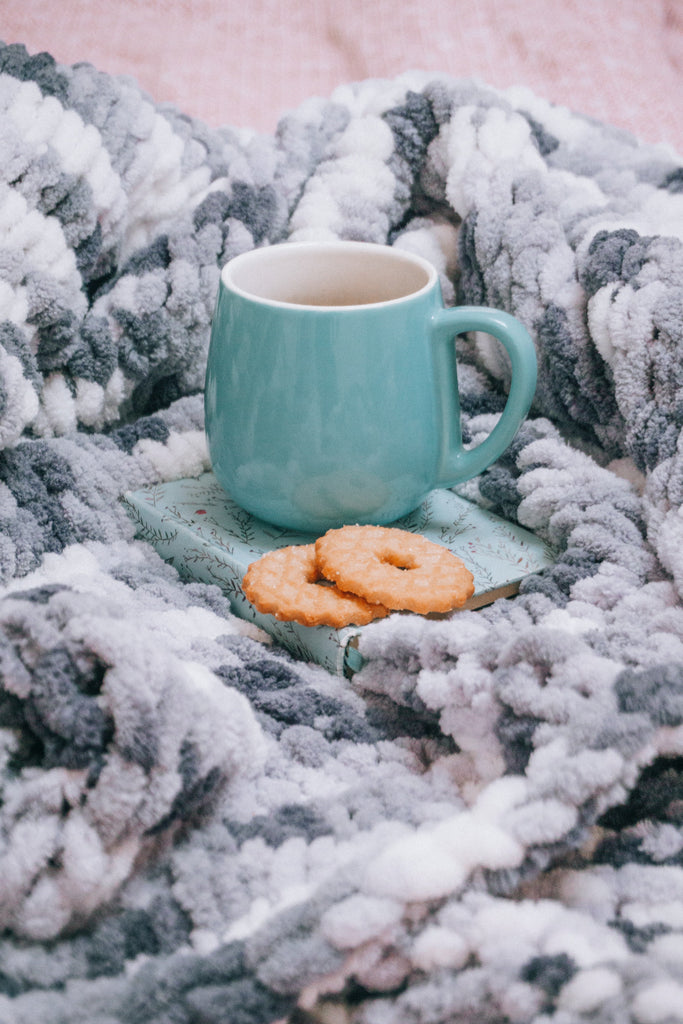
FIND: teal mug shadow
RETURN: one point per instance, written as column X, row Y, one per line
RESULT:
column 331, row 385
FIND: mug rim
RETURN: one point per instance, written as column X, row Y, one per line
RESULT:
column 389, row 252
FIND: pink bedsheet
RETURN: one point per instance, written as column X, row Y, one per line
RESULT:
column 245, row 62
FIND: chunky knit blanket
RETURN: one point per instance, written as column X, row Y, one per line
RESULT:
column 486, row 823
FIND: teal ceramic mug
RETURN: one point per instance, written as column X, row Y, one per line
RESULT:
column 331, row 385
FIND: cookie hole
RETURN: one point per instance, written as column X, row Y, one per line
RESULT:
column 399, row 562
column 318, row 580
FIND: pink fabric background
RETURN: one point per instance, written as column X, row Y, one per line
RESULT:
column 245, row 62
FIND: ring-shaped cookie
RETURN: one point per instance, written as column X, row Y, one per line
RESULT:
column 395, row 568
column 284, row 583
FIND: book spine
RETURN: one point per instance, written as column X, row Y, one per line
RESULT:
column 197, row 558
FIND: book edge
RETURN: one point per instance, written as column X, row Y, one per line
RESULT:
column 337, row 652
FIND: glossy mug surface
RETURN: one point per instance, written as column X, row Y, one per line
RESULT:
column 331, row 386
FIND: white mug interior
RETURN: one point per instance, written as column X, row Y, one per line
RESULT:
column 328, row 274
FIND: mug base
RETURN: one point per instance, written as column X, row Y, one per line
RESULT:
column 322, row 502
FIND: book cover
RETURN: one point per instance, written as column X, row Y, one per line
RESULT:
column 195, row 526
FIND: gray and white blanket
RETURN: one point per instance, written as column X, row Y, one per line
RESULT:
column 486, row 823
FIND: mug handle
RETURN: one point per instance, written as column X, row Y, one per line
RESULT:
column 456, row 463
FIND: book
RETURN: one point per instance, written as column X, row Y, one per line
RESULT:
column 194, row 525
